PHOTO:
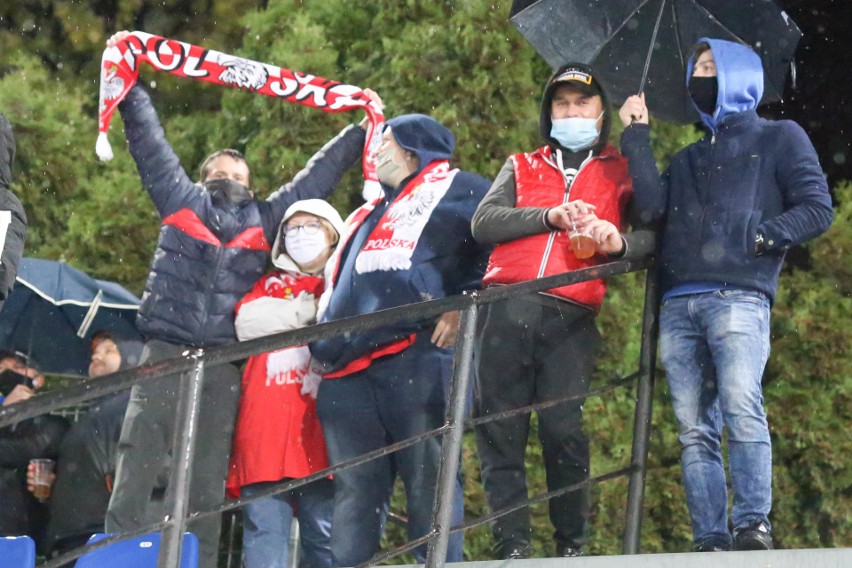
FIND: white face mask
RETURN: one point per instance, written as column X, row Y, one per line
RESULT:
column 304, row 248
column 388, row 170
column 575, row 133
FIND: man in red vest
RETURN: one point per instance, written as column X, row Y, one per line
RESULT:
column 542, row 346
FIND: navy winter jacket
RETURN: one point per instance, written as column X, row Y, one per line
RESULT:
column 209, row 254
column 446, row 261
column 746, row 175
column 14, row 234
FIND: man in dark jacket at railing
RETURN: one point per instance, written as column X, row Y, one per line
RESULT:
column 213, row 246
column 388, row 384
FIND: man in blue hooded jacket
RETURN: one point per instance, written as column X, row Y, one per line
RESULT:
column 730, row 206
column 385, row 385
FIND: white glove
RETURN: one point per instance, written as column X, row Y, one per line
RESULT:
column 312, row 380
column 267, row 315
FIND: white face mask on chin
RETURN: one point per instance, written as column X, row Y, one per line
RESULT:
column 304, row 248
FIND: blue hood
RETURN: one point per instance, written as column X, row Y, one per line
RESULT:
column 424, row 136
column 739, row 73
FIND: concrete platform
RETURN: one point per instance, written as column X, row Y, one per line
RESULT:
column 802, row 558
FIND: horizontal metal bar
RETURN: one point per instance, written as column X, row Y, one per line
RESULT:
column 122, row 380
column 363, row 458
column 543, row 497
column 473, row 422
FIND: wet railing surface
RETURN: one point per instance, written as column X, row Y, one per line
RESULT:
column 193, row 362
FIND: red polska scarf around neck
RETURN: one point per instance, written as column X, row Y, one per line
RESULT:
column 120, row 70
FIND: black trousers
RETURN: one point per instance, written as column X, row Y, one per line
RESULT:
column 146, row 442
column 529, row 350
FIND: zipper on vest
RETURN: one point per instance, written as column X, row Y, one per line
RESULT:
column 569, row 175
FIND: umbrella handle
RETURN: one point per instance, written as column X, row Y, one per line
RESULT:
column 651, row 47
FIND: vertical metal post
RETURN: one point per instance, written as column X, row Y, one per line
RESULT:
column 436, row 556
column 642, row 416
column 183, row 447
column 232, row 522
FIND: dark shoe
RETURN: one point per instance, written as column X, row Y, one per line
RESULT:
column 514, row 550
column 568, row 551
column 710, row 547
column 753, row 536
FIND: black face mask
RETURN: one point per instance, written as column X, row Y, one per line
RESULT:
column 704, row 92
column 224, row 192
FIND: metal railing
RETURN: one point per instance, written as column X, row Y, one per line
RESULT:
column 192, row 363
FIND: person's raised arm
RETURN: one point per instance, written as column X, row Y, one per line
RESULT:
column 159, row 167
column 650, row 189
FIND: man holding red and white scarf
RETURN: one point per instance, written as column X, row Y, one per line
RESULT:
column 386, row 385
column 213, row 246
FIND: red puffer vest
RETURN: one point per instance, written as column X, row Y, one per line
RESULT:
column 602, row 181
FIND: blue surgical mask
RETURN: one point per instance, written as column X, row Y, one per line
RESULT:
column 575, row 133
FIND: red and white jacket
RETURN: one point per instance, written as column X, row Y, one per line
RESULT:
column 277, row 434
column 602, row 181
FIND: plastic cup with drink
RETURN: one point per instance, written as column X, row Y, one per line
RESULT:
column 583, row 245
column 42, row 477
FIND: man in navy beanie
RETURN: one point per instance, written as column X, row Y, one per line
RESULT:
column 385, row 385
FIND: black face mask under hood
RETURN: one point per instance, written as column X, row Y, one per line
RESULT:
column 227, row 193
column 704, row 92
column 7, row 151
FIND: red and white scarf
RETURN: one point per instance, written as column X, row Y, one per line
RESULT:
column 120, row 69
column 393, row 240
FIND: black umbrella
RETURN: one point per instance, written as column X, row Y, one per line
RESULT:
column 643, row 45
column 54, row 310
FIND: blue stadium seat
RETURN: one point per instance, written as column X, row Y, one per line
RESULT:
column 139, row 552
column 17, row 551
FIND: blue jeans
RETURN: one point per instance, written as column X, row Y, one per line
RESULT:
column 266, row 525
column 397, row 397
column 714, row 347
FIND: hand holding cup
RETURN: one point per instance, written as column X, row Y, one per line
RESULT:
column 40, row 477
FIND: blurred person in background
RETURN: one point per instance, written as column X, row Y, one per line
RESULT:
column 33, row 438
column 85, row 467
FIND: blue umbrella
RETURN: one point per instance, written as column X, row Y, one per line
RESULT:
column 54, row 310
